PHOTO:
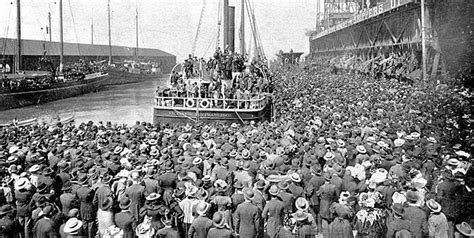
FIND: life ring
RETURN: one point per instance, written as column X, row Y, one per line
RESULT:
column 204, row 103
column 190, row 103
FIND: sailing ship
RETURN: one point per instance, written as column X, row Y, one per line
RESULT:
column 43, row 86
column 131, row 71
column 174, row 106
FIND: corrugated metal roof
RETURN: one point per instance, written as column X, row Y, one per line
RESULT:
column 37, row 47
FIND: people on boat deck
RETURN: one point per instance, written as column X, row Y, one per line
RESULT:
column 230, row 78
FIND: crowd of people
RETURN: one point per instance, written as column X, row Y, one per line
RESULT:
column 226, row 75
column 348, row 156
column 394, row 65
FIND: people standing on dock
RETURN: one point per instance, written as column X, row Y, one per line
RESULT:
column 349, row 155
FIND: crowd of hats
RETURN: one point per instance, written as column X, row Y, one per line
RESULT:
column 374, row 132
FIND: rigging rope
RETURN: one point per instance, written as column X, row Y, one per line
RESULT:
column 7, row 29
column 74, row 25
column 199, row 27
column 253, row 25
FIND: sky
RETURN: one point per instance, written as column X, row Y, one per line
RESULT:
column 168, row 25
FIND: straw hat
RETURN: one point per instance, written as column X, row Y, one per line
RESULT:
column 34, row 168
column 72, row 225
column 202, row 207
column 295, row 177
column 361, row 149
column 398, row 142
column 329, row 156
column 301, row 204
column 197, row 161
column 465, row 229
column 22, row 183
column 433, row 205
column 153, row 196
column 273, row 190
column 300, row 215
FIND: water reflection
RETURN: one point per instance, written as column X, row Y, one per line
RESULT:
column 118, row 104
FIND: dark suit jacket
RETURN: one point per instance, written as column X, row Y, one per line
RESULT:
column 200, row 227
column 136, row 193
column 68, row 201
column 395, row 225
column 418, row 220
column 86, row 196
column 102, row 194
column 23, row 203
column 44, row 228
column 247, row 220
column 127, row 222
column 219, row 233
column 312, row 187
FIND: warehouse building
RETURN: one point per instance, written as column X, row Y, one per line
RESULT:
column 33, row 50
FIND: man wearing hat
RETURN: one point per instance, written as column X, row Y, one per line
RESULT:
column 327, row 195
column 72, row 226
column 9, row 226
column 259, row 198
column 295, row 186
column 88, row 214
column 23, row 194
column 285, row 196
column 202, row 224
column 104, row 191
column 45, row 227
column 238, row 196
column 136, row 194
column 167, row 230
column 125, row 219
column 273, row 212
column 398, row 224
column 437, row 222
column 415, row 215
column 219, row 228
column 167, row 181
column 311, row 191
column 247, row 217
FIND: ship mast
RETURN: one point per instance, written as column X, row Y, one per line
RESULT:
column 110, row 40
column 49, row 30
column 61, row 55
column 242, row 27
column 136, row 33
column 18, row 35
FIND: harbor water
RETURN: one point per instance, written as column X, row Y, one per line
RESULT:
column 118, row 104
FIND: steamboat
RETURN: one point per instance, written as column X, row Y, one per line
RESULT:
column 200, row 100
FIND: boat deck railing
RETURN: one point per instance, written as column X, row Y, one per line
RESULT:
column 221, row 104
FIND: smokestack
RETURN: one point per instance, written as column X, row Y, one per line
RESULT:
column 226, row 23
column 231, row 33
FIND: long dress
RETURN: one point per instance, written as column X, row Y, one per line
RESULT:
column 105, row 219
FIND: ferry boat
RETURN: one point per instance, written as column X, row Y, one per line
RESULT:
column 173, row 107
column 192, row 106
